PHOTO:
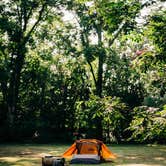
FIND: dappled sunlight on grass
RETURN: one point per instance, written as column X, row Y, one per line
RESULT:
column 128, row 155
column 27, row 154
column 9, row 159
column 18, row 161
column 159, row 158
column 131, row 157
column 138, row 165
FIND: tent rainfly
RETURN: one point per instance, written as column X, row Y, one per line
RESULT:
column 89, row 147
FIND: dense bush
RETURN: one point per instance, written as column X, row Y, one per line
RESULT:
column 148, row 124
column 110, row 111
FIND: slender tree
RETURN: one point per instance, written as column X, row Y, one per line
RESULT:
column 104, row 20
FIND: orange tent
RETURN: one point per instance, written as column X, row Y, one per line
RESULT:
column 89, row 146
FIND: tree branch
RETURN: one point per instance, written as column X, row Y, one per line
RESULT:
column 19, row 15
column 27, row 18
column 116, row 33
column 85, row 43
column 91, row 69
column 36, row 23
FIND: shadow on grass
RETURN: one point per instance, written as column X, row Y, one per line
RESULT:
column 21, row 162
column 3, row 163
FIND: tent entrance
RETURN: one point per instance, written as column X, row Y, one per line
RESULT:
column 88, row 147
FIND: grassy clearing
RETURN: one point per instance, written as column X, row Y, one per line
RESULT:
column 128, row 155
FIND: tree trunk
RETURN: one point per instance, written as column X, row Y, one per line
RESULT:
column 13, row 90
column 100, row 76
column 100, row 63
column 99, row 81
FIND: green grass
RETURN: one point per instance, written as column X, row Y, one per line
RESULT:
column 128, row 155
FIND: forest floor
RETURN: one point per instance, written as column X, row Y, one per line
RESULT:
column 128, row 155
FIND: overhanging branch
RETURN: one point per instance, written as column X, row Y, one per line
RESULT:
column 36, row 23
column 116, row 33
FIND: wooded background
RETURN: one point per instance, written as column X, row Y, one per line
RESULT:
column 94, row 67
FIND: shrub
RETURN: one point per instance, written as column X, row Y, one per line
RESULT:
column 148, row 124
column 110, row 110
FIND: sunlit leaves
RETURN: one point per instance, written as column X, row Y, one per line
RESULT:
column 148, row 124
column 110, row 110
column 157, row 33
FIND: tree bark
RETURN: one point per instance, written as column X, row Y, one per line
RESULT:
column 100, row 63
column 100, row 76
column 99, row 81
column 13, row 90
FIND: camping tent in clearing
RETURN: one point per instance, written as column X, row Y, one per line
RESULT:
column 89, row 147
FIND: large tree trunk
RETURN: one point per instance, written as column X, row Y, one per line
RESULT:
column 13, row 89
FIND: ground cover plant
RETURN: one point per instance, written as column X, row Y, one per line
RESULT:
column 30, row 154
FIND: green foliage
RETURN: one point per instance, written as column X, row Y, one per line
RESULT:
column 57, row 76
column 110, row 110
column 115, row 12
column 148, row 124
column 153, row 76
column 158, row 33
column 50, row 86
column 122, row 80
